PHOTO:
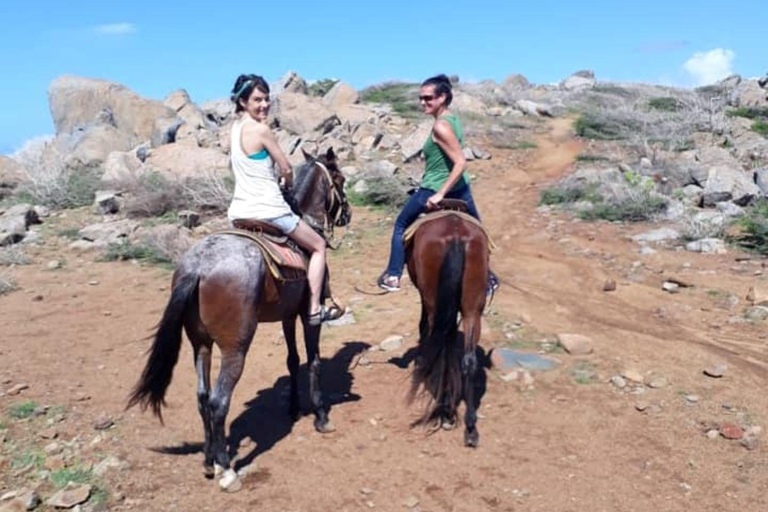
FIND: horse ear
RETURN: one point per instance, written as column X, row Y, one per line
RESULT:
column 330, row 156
column 307, row 156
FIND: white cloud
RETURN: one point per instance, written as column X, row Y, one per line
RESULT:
column 708, row 67
column 115, row 29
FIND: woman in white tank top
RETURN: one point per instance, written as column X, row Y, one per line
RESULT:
column 257, row 192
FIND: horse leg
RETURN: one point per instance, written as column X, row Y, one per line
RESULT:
column 289, row 331
column 203, row 368
column 312, row 343
column 469, row 370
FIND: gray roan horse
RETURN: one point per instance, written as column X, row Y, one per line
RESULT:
column 218, row 297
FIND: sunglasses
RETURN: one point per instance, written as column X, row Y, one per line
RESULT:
column 426, row 97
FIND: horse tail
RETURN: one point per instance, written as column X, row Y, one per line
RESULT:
column 439, row 368
column 164, row 353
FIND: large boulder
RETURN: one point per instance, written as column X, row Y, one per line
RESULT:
column 92, row 145
column 579, row 81
column 219, row 112
column 748, row 93
column 179, row 161
column 729, row 184
column 14, row 223
column 467, row 103
column 105, row 233
column 411, row 144
column 193, row 119
column 533, row 109
column 78, row 102
column 299, row 113
column 339, row 95
column 120, row 166
column 289, row 82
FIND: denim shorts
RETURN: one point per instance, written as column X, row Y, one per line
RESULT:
column 285, row 223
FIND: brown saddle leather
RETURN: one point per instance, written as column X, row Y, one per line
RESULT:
column 454, row 205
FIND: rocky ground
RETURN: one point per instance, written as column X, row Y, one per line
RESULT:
column 655, row 398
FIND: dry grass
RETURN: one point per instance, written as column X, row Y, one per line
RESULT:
column 13, row 255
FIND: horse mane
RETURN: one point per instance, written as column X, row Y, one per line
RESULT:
column 302, row 181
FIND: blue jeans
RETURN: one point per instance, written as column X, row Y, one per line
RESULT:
column 416, row 205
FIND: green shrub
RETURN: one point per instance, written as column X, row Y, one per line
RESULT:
column 321, row 87
column 22, row 410
column 749, row 112
column 570, row 194
column 665, row 104
column 642, row 208
column 587, row 157
column 754, row 225
column 403, row 97
column 604, row 126
column 131, row 251
column 75, row 474
column 760, row 127
column 7, row 284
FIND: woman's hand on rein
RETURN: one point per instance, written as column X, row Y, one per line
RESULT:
column 433, row 203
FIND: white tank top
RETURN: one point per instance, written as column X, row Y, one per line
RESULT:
column 257, row 193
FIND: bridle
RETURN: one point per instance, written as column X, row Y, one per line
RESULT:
column 336, row 206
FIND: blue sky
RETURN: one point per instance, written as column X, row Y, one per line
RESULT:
column 156, row 47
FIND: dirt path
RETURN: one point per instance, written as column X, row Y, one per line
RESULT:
column 571, row 441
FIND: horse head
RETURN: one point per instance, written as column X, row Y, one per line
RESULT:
column 319, row 193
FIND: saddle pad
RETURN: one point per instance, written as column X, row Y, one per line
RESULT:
column 276, row 256
column 408, row 235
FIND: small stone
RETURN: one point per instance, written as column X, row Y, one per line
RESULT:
column 366, row 491
column 692, row 399
column 55, row 462
column 391, row 343
column 111, row 462
column 609, row 285
column 53, row 448
column 53, row 265
column 749, row 442
column 716, row 371
column 37, row 298
column 632, row 375
column 731, row 431
column 575, row 344
column 713, row 434
column 642, row 406
column 18, row 388
column 70, row 496
column 411, row 501
column 670, row 287
column 93, row 282
column 103, row 423
column 22, row 501
column 510, row 377
column 618, row 382
column 657, row 382
column 48, row 433
column 754, row 430
column 82, row 397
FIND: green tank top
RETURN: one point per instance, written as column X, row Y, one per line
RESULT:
column 438, row 165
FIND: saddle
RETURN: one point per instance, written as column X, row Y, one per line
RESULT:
column 445, row 212
column 284, row 258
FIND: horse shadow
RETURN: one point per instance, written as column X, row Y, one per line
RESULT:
column 481, row 375
column 266, row 421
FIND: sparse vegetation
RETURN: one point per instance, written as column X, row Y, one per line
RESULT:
column 402, row 96
column 13, row 255
column 379, row 191
column 132, row 251
column 570, row 194
column 7, row 284
column 321, row 87
column 584, row 373
column 749, row 112
column 588, row 157
column 22, row 410
column 28, row 458
column 665, row 104
column 760, row 127
column 754, row 226
column 75, row 474
column 603, row 126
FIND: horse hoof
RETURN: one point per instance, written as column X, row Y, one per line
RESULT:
column 230, row 481
column 325, row 428
column 471, row 439
column 447, row 424
column 217, row 470
column 208, row 471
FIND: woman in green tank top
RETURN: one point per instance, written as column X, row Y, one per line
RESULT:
column 444, row 175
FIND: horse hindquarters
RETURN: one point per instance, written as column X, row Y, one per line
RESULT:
column 438, row 367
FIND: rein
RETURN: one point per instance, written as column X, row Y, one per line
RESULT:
column 333, row 203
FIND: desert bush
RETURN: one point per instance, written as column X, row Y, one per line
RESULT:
column 321, row 87
column 760, row 127
column 696, row 227
column 150, row 194
column 379, row 191
column 403, row 97
column 566, row 194
column 749, row 112
column 7, row 284
column 134, row 251
column 13, row 255
column 211, row 192
column 754, row 227
column 49, row 181
column 665, row 104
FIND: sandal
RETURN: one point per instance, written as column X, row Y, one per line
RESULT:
column 324, row 315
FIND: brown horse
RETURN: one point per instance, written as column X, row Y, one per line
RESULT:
column 218, row 297
column 448, row 261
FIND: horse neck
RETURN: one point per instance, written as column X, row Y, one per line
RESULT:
column 310, row 193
